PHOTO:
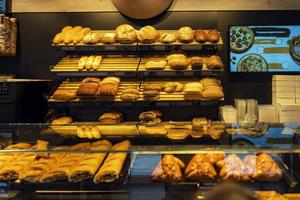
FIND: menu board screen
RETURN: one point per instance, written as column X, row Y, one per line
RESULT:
column 264, row 48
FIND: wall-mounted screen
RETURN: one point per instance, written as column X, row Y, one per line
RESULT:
column 264, row 48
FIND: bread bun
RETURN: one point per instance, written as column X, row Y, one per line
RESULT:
column 91, row 38
column 64, row 95
column 213, row 36
column 156, row 65
column 210, row 82
column 111, row 118
column 213, row 93
column 178, row 64
column 200, row 36
column 147, row 35
column 91, row 80
column 126, row 34
column 193, row 88
column 214, row 62
column 197, row 63
column 87, row 89
column 167, row 38
column 171, row 87
column 109, row 38
column 176, row 56
column 185, row 34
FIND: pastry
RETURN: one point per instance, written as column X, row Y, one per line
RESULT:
column 69, row 35
column 62, row 121
column 213, row 93
column 171, row 87
column 150, row 118
column 176, row 56
column 167, row 38
column 81, row 63
column 18, row 146
column 59, row 38
column 197, row 63
column 168, row 170
column 109, row 38
column 96, row 62
column 206, row 82
column 200, row 169
column 78, row 37
column 200, row 36
column 215, row 134
column 111, row 118
column 91, row 38
column 89, row 164
column 130, row 94
column 147, row 35
column 155, row 65
column 214, row 62
column 64, row 95
column 88, row 132
column 178, row 134
column 87, row 89
column 213, row 36
column 267, row 169
column 113, row 164
column 185, row 34
column 178, row 63
column 126, row 34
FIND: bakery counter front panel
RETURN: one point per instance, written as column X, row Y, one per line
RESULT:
column 102, row 167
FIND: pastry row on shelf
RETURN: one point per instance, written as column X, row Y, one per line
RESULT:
column 210, row 166
column 126, row 34
column 113, row 89
column 173, row 62
column 75, row 167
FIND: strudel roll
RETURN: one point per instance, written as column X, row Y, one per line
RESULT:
column 89, row 164
column 113, row 164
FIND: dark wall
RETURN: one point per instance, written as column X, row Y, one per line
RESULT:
column 36, row 30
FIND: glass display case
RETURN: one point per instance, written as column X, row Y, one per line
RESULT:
column 43, row 161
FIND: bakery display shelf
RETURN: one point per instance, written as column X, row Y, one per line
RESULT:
column 175, row 73
column 110, row 65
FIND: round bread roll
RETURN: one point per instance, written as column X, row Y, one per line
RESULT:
column 147, row 35
column 156, row 65
column 62, row 121
column 178, row 63
column 167, row 38
column 185, row 34
column 176, row 56
column 213, row 36
column 109, row 38
column 200, row 36
column 126, row 34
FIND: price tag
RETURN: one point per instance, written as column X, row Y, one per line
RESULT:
column 110, row 48
column 68, row 48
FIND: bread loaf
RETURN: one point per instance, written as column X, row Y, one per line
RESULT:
column 213, row 36
column 185, row 34
column 167, row 38
column 200, row 36
column 147, row 35
column 126, row 34
column 109, row 38
column 156, row 65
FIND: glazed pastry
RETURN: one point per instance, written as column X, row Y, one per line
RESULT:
column 197, row 63
column 111, row 118
column 126, row 34
column 168, row 170
column 213, row 36
column 156, row 65
column 200, row 36
column 199, row 169
column 64, row 95
column 171, row 87
column 167, row 38
column 109, row 38
column 113, row 164
column 130, row 94
column 89, row 164
column 185, row 34
column 147, row 35
column 214, row 62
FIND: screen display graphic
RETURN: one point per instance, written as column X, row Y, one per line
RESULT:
column 264, row 48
